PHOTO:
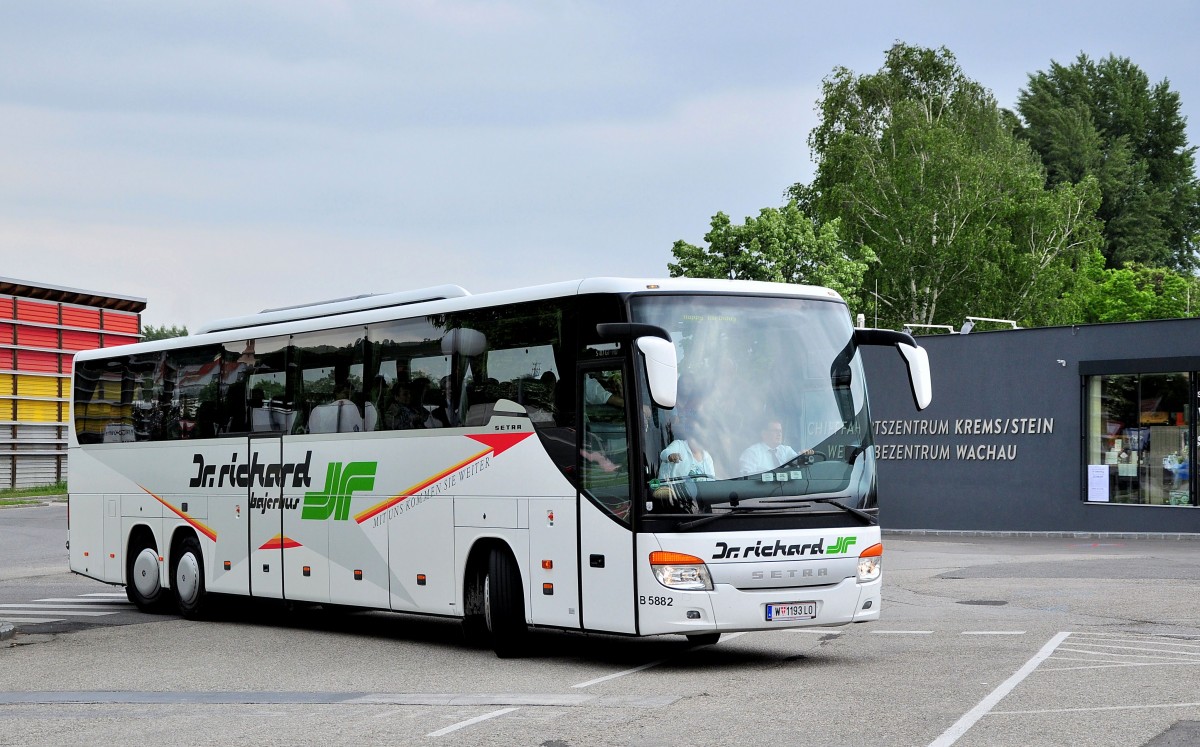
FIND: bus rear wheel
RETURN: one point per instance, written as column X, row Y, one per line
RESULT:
column 474, row 624
column 187, row 578
column 504, row 605
column 142, row 585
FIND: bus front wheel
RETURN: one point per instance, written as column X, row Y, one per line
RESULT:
column 187, row 578
column 504, row 605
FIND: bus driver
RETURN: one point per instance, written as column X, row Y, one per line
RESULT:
column 769, row 452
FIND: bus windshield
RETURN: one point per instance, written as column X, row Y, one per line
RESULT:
column 771, row 412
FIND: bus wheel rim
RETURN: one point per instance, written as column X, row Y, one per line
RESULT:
column 145, row 573
column 487, row 601
column 187, row 578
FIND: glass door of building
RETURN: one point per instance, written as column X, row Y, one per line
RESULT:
column 1142, row 436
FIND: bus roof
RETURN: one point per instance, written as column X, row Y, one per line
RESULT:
column 368, row 309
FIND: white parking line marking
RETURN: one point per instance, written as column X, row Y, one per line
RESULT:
column 1100, row 638
column 57, row 609
column 471, row 700
column 615, row 675
column 1097, row 708
column 82, row 600
column 1059, row 657
column 117, row 594
column 960, row 727
column 468, row 722
column 89, row 605
column 63, row 606
column 993, row 632
column 1118, row 657
column 1136, row 648
column 1123, row 665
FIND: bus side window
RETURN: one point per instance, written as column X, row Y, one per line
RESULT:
column 104, row 401
column 252, row 380
column 329, row 370
column 407, row 356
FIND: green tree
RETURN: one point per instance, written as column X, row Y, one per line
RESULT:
column 781, row 245
column 1055, row 236
column 1133, row 293
column 920, row 165
column 162, row 332
column 1104, row 119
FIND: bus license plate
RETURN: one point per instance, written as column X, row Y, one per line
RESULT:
column 791, row 611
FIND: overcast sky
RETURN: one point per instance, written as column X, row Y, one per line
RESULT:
column 219, row 158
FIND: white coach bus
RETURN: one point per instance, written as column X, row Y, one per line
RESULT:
column 593, row 455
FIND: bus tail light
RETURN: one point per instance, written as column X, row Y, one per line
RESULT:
column 677, row 570
column 870, row 563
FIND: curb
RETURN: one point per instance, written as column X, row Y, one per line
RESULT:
column 6, row 631
column 37, row 500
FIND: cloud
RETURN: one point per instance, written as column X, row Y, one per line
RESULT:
column 225, row 157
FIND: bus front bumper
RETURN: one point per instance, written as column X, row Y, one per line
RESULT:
column 729, row 609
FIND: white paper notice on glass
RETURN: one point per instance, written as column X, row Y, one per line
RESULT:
column 1097, row 482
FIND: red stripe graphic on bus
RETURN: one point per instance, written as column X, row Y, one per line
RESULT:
column 496, row 443
column 279, row 542
column 199, row 526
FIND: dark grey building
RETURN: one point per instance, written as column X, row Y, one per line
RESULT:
column 1089, row 429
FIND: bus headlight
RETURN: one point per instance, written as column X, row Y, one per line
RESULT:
column 870, row 563
column 677, row 570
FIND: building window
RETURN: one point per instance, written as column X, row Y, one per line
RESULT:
column 1139, row 437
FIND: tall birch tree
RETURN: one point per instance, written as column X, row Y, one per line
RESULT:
column 921, row 168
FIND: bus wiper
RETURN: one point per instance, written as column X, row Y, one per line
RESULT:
column 707, row 518
column 831, row 499
column 775, row 504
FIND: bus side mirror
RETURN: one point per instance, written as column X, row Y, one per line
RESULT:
column 919, row 377
column 658, row 355
column 661, row 369
column 915, row 358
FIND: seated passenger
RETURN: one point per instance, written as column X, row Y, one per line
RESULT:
column 339, row 416
column 685, row 457
column 768, row 453
column 595, row 393
column 406, row 410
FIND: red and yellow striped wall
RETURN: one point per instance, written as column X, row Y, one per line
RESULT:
column 41, row 328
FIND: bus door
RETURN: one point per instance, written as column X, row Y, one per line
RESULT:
column 606, row 541
column 305, row 537
column 265, row 512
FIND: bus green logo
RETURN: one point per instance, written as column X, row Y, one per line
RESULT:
column 841, row 545
column 340, row 483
